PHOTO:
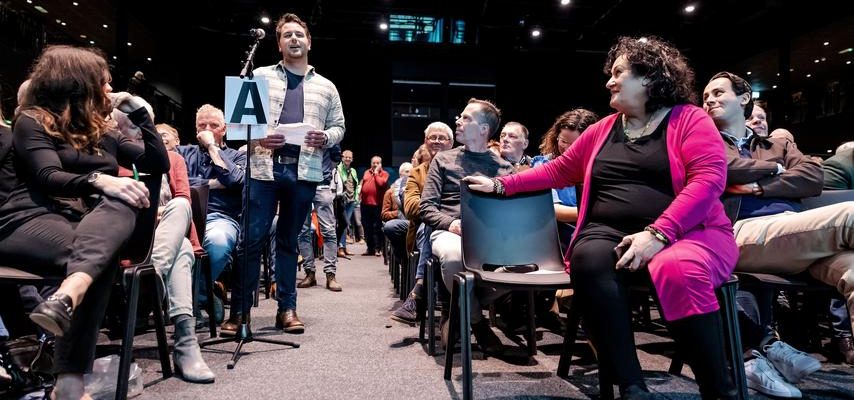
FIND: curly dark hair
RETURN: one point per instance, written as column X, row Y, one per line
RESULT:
column 575, row 120
column 671, row 80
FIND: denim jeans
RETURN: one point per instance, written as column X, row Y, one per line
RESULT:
column 294, row 199
column 840, row 320
column 425, row 249
column 343, row 225
column 221, row 232
column 323, row 200
column 395, row 231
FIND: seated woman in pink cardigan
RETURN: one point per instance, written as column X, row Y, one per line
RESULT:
column 652, row 174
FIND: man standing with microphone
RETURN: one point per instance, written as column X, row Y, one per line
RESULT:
column 284, row 173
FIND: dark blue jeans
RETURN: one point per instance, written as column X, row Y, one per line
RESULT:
column 294, row 199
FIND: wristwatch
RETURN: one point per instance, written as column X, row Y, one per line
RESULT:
column 93, row 177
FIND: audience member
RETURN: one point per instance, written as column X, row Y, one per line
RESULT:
column 287, row 174
column 373, row 187
column 758, row 121
column 395, row 224
column 170, row 136
column 212, row 163
column 66, row 194
column 657, row 168
column 348, row 199
column 324, row 198
column 766, row 178
column 173, row 256
column 437, row 137
column 513, row 141
column 440, row 207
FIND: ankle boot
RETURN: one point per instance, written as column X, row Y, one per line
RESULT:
column 331, row 283
column 308, row 281
column 699, row 339
column 187, row 355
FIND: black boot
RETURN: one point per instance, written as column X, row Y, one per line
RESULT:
column 699, row 339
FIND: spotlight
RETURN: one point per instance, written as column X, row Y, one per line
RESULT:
column 265, row 20
column 383, row 26
column 564, row 2
column 749, row 73
column 690, row 8
column 536, row 32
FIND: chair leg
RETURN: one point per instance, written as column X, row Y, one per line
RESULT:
column 732, row 337
column 431, row 308
column 569, row 337
column 467, row 281
column 532, row 326
column 132, row 299
column 207, row 274
column 454, row 315
column 160, row 327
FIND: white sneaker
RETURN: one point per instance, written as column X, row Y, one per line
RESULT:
column 763, row 378
column 793, row 364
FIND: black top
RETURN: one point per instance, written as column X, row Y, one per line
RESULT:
column 293, row 109
column 631, row 184
column 7, row 167
column 48, row 168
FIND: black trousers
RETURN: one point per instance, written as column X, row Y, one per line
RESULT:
column 53, row 244
column 373, row 227
column 603, row 295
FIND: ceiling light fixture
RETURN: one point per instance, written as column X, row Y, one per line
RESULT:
column 690, row 8
column 130, row 44
column 848, row 62
column 91, row 42
column 148, row 58
column 564, row 2
column 827, row 43
column 265, row 20
column 809, row 75
column 816, row 61
column 749, row 73
column 75, row 3
column 105, row 26
column 848, row 50
column 383, row 26
column 774, row 87
column 64, row 24
column 536, row 32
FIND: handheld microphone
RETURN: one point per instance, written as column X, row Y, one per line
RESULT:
column 257, row 33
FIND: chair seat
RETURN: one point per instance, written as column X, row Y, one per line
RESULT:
column 20, row 275
column 798, row 282
column 545, row 278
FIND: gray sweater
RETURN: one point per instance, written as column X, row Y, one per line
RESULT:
column 440, row 200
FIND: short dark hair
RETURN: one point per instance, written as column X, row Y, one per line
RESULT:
column 490, row 113
column 671, row 80
column 740, row 87
column 575, row 120
column 288, row 18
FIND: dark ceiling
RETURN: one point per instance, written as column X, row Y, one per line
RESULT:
column 192, row 44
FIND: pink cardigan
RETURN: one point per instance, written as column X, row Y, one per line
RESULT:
column 698, row 171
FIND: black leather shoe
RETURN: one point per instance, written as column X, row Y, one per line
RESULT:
column 54, row 314
column 485, row 338
column 288, row 321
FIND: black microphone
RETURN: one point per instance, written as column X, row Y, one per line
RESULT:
column 258, row 33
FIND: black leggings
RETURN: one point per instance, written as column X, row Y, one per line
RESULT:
column 603, row 295
column 51, row 244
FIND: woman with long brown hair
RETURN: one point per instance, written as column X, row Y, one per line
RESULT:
column 68, row 212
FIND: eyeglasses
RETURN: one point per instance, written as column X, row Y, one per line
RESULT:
column 440, row 139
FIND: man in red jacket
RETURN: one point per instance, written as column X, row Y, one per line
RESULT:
column 374, row 185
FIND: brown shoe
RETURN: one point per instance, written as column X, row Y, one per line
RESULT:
column 342, row 252
column 368, row 253
column 308, row 281
column 289, row 322
column 331, row 283
column 347, row 252
column 232, row 324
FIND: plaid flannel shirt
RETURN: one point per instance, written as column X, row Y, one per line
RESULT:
column 322, row 111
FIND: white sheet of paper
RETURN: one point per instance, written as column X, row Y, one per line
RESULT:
column 294, row 133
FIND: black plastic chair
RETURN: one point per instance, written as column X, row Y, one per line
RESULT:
column 507, row 233
column 139, row 267
column 199, row 204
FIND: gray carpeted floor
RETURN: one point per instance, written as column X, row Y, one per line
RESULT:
column 351, row 350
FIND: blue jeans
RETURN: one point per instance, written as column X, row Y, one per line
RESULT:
column 425, row 249
column 4, row 334
column 348, row 214
column 326, row 218
column 395, row 231
column 221, row 232
column 839, row 318
column 294, row 199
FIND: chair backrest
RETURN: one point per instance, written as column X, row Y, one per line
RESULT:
column 138, row 248
column 828, row 197
column 509, row 231
column 199, row 205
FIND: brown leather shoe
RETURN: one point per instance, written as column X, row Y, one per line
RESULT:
column 232, row 324
column 342, row 252
column 308, row 281
column 331, row 283
column 288, row 321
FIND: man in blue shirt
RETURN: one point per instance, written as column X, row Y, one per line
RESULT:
column 221, row 168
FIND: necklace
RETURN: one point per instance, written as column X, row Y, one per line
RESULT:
column 643, row 133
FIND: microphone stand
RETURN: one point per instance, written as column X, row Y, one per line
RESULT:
column 244, row 333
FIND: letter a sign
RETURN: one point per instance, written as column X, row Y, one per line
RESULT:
column 247, row 107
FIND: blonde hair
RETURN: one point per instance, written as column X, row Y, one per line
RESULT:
column 209, row 109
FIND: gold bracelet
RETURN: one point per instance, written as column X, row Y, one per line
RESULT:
column 657, row 234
